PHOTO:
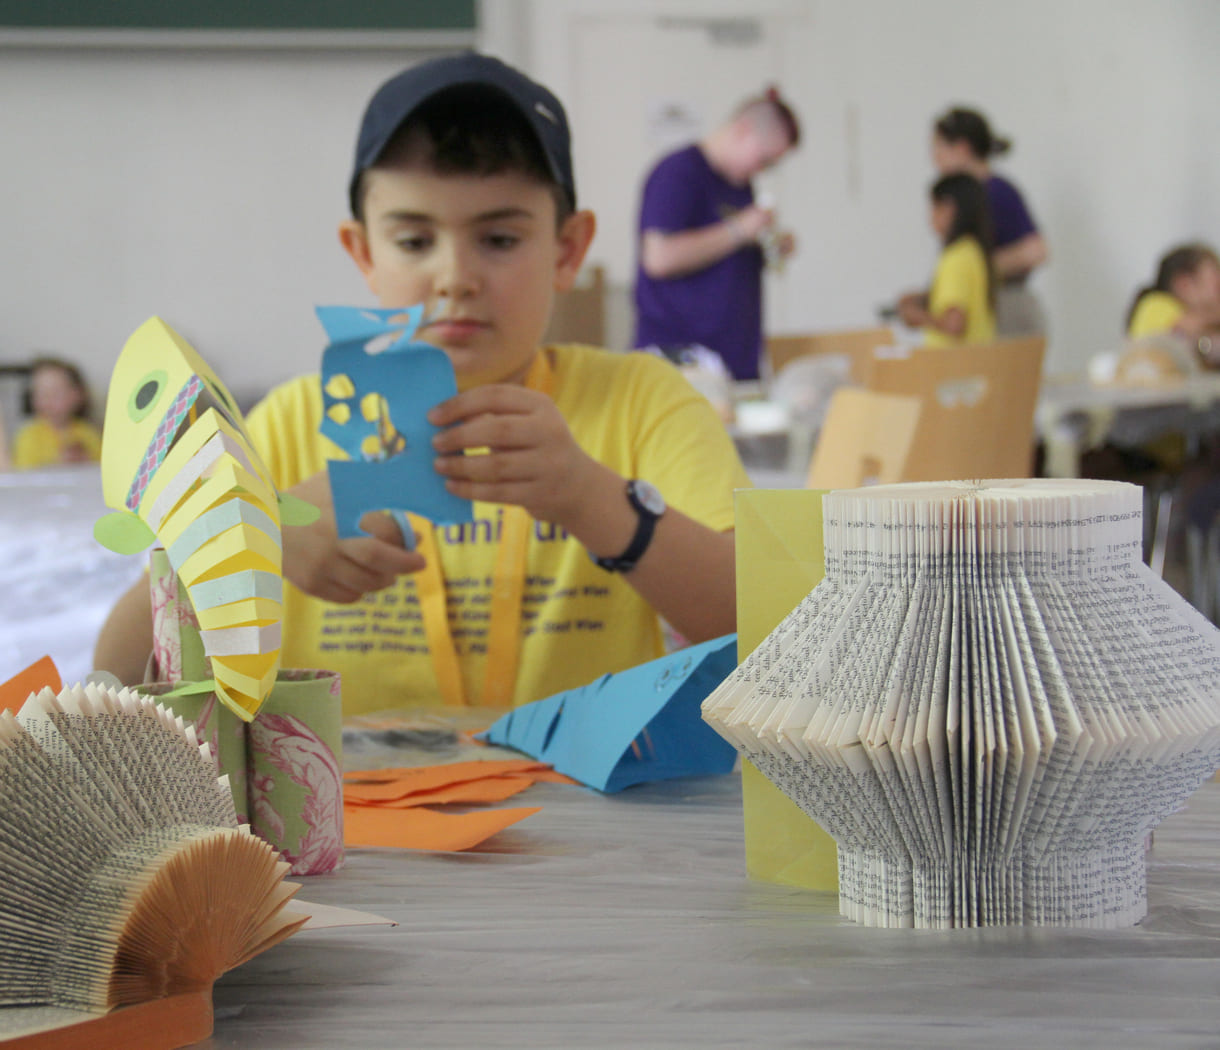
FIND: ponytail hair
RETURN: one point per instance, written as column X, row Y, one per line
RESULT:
column 970, row 126
column 971, row 216
column 1179, row 261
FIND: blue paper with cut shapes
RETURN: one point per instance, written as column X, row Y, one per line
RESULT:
column 377, row 387
column 636, row 726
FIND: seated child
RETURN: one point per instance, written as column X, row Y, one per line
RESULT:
column 959, row 308
column 604, row 491
column 1184, row 301
column 60, row 431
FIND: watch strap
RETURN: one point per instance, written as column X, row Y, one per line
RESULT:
column 646, row 524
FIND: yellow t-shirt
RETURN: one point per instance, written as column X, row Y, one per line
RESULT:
column 961, row 280
column 1156, row 312
column 39, row 444
column 636, row 414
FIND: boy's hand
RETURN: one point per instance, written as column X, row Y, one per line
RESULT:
column 532, row 459
column 335, row 570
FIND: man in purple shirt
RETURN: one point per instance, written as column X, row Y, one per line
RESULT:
column 699, row 276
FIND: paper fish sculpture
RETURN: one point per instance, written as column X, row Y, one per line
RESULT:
column 636, row 726
column 377, row 386
column 179, row 467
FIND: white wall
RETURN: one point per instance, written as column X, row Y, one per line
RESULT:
column 206, row 185
column 201, row 185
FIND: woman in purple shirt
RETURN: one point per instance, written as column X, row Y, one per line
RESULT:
column 962, row 141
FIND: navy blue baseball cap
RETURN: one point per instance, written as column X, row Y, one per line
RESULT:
column 402, row 95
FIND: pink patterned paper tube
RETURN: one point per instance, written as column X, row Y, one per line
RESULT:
column 294, row 771
column 177, row 645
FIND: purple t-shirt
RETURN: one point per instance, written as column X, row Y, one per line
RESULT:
column 1010, row 219
column 719, row 307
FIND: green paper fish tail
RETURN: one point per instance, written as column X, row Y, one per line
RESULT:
column 122, row 532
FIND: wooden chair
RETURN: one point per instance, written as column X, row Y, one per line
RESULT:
column 976, row 407
column 865, row 439
column 856, row 343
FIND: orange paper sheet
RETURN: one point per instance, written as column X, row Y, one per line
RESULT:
column 489, row 789
column 425, row 829
column 39, row 675
column 391, row 807
column 429, row 778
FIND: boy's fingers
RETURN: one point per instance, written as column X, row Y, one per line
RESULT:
column 378, row 559
column 498, row 432
column 381, row 525
column 505, row 467
column 495, row 398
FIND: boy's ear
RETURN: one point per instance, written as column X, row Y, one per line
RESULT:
column 355, row 240
column 575, row 236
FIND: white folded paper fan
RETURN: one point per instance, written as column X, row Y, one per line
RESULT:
column 124, row 875
column 988, row 702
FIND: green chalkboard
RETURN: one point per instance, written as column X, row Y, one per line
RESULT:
column 298, row 15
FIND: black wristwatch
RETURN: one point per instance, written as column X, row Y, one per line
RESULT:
column 649, row 505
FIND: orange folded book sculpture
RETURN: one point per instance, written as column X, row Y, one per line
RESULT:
column 127, row 885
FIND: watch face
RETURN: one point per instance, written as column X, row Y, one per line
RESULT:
column 650, row 499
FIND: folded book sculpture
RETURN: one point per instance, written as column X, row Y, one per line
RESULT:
column 987, row 702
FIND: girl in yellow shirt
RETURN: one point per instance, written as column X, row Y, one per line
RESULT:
column 60, row 432
column 959, row 307
column 1184, row 300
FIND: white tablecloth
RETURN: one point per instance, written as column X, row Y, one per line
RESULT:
column 56, row 582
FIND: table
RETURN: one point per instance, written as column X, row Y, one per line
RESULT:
column 628, row 921
column 1074, row 415
column 57, row 583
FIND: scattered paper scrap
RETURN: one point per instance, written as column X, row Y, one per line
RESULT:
column 427, row 829
column 41, row 674
column 392, row 807
column 639, row 725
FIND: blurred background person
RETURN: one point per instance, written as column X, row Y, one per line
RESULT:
column 958, row 307
column 702, row 236
column 59, row 430
column 963, row 142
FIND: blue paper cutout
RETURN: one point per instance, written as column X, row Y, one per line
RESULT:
column 390, row 456
column 639, row 725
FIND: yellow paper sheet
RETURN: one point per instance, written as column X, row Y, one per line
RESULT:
column 780, row 559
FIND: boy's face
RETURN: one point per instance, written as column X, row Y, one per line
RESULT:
column 480, row 251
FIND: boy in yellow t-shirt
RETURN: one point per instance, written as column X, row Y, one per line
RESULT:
column 958, row 309
column 604, row 498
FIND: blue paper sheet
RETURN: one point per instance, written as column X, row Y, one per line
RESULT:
column 639, row 725
column 383, row 383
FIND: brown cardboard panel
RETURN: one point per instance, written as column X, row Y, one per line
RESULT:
column 977, row 407
column 865, row 439
column 856, row 343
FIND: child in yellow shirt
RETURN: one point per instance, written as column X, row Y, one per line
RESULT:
column 60, row 431
column 604, row 497
column 1184, row 301
column 959, row 308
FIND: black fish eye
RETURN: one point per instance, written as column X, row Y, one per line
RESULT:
column 146, row 395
